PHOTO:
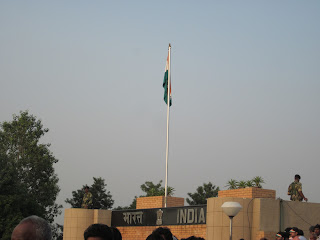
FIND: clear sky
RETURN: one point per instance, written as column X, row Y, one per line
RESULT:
column 245, row 85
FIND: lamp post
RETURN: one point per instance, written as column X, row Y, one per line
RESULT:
column 231, row 209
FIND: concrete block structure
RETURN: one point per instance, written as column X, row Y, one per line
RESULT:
column 76, row 221
column 252, row 192
column 262, row 215
column 258, row 218
column 158, row 202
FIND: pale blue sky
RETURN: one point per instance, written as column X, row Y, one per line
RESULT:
column 245, row 83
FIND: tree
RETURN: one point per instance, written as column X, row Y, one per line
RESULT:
column 57, row 231
column 29, row 184
column 249, row 183
column 204, row 192
column 15, row 203
column 255, row 182
column 76, row 199
column 101, row 199
column 242, row 184
column 133, row 205
column 152, row 189
column 232, row 184
column 258, row 181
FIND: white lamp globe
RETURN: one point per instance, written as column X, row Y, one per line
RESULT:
column 231, row 208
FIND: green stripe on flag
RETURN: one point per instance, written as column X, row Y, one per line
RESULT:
column 165, row 86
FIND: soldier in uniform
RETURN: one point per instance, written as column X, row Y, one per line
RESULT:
column 87, row 198
column 295, row 190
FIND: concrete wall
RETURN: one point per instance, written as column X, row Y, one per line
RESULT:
column 259, row 217
column 266, row 218
column 218, row 223
column 300, row 214
column 76, row 221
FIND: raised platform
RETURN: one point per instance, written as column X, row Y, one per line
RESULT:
column 158, row 202
column 252, row 192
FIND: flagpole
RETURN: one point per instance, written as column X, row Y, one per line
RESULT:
column 168, row 113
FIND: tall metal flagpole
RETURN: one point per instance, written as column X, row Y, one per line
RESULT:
column 168, row 113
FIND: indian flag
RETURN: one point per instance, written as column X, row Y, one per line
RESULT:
column 166, row 82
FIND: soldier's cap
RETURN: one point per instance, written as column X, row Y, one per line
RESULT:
column 317, row 226
column 294, row 229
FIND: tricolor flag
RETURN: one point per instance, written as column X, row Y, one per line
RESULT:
column 165, row 83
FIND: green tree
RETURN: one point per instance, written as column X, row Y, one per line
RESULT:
column 152, row 189
column 15, row 202
column 101, row 198
column 57, row 231
column 232, row 184
column 76, row 199
column 242, row 184
column 202, row 193
column 27, row 172
column 133, row 205
column 249, row 183
column 257, row 181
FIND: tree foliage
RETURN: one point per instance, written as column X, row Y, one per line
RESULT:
column 232, row 184
column 101, row 198
column 15, row 202
column 249, row 183
column 28, row 183
column 57, row 231
column 208, row 190
column 152, row 189
column 255, row 182
column 242, row 184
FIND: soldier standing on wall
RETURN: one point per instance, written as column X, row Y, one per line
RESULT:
column 87, row 198
column 295, row 190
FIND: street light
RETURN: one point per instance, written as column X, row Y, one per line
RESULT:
column 231, row 209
